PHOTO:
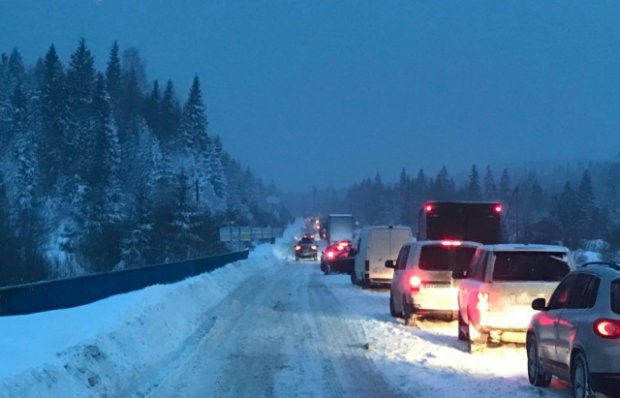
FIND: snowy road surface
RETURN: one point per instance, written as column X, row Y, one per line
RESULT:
column 264, row 327
column 291, row 331
column 281, row 332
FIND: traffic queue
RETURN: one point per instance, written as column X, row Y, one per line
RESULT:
column 567, row 317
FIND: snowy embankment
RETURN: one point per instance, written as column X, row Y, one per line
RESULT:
column 107, row 347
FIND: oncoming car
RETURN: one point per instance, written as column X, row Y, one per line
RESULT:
column 306, row 248
column 576, row 334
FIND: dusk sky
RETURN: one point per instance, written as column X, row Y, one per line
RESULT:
column 328, row 92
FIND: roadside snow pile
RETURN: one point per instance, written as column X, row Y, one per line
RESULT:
column 105, row 348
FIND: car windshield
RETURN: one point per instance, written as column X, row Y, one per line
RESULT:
column 530, row 266
column 445, row 258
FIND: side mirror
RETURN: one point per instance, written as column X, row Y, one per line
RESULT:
column 389, row 264
column 539, row 304
column 459, row 274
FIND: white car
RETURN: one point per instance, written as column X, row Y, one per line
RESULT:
column 423, row 284
column 495, row 297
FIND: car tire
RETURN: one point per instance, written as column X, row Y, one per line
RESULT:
column 409, row 316
column 478, row 342
column 354, row 278
column 580, row 377
column 461, row 327
column 393, row 312
column 328, row 269
column 535, row 373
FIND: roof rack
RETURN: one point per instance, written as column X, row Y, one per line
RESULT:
column 603, row 263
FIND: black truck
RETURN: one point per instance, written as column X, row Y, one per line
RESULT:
column 465, row 221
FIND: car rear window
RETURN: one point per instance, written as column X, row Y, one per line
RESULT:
column 615, row 296
column 530, row 266
column 307, row 240
column 445, row 258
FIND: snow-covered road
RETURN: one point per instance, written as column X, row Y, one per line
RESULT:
column 291, row 331
column 264, row 327
column 283, row 333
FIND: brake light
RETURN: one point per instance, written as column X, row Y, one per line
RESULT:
column 330, row 255
column 607, row 328
column 314, row 247
column 415, row 282
column 483, row 302
column 297, row 247
column 451, row 243
column 497, row 208
column 428, row 208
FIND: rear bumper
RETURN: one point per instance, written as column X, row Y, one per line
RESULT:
column 305, row 254
column 341, row 265
column 442, row 300
column 606, row 383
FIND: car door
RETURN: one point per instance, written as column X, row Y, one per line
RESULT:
column 548, row 320
column 399, row 274
column 582, row 297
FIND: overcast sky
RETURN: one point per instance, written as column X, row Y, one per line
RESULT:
column 328, row 92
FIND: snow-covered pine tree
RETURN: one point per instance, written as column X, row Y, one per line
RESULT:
column 217, row 177
column 80, row 84
column 53, row 121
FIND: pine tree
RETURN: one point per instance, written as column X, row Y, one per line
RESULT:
column 54, row 119
column 505, row 187
column 490, row 189
column 114, row 77
column 170, row 114
column 216, row 169
column 472, row 189
column 80, row 84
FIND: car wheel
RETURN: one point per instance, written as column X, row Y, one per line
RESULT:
column 476, row 341
column 328, row 269
column 461, row 328
column 409, row 316
column 393, row 312
column 580, row 377
column 535, row 373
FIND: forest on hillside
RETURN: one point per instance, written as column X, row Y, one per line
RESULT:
column 103, row 170
column 574, row 204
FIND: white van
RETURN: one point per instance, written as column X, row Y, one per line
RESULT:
column 376, row 246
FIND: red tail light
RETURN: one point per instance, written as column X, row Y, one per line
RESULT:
column 330, row 255
column 607, row 328
column 497, row 208
column 451, row 243
column 297, row 247
column 415, row 282
column 314, row 247
column 483, row 302
column 428, row 208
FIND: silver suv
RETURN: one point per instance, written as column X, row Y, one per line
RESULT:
column 576, row 335
column 494, row 300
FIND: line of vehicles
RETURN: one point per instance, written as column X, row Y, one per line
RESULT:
column 456, row 268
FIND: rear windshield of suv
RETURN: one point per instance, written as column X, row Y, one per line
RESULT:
column 530, row 266
column 445, row 258
column 615, row 296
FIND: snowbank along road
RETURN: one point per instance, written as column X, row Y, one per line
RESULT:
column 278, row 328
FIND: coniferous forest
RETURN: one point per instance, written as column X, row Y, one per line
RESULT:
column 577, row 205
column 103, row 170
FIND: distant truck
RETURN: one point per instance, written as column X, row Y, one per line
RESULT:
column 464, row 221
column 339, row 227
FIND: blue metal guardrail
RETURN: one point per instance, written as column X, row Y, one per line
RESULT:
column 72, row 292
